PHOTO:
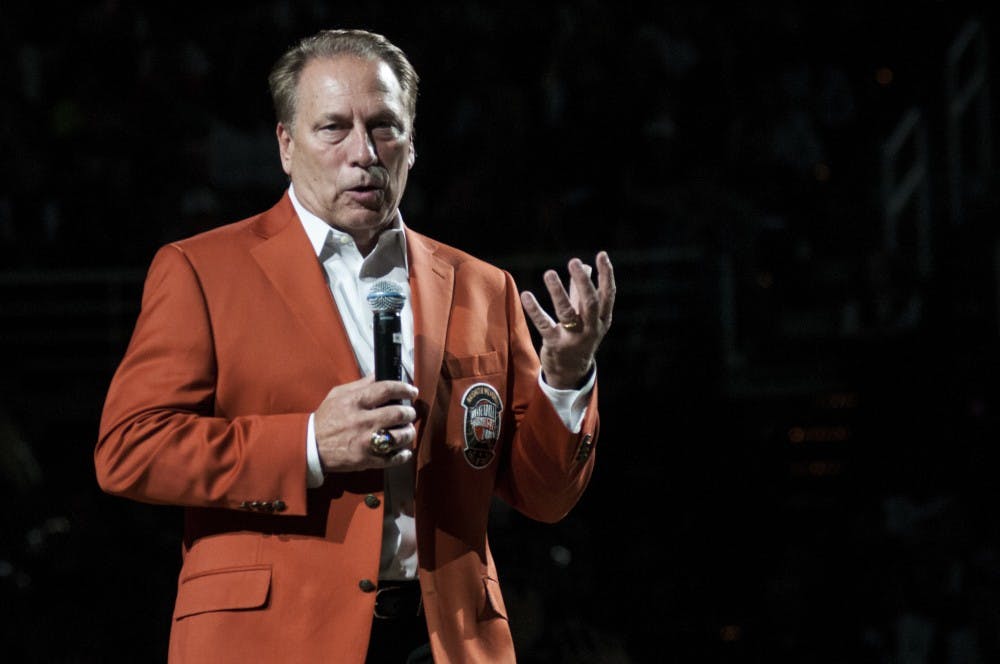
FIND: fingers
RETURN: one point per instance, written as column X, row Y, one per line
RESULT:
column 541, row 320
column 605, row 287
column 581, row 304
column 583, row 294
column 582, row 317
column 574, row 287
column 396, row 420
column 401, row 439
column 560, row 298
column 399, row 458
column 404, row 436
column 375, row 393
column 351, row 417
column 389, row 417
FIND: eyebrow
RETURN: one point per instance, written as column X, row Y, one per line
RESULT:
column 331, row 116
column 382, row 114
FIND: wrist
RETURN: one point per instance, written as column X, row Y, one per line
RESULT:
column 567, row 379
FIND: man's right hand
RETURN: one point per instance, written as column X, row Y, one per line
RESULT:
column 352, row 412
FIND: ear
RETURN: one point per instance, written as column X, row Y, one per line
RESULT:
column 286, row 147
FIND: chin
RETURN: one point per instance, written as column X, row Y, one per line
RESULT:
column 364, row 222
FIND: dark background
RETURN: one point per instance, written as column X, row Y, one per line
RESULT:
column 799, row 410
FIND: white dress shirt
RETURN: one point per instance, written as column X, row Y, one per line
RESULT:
column 350, row 276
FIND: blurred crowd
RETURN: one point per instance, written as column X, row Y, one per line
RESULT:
column 127, row 125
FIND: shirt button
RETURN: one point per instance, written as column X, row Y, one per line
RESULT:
column 366, row 585
column 372, row 501
column 344, row 239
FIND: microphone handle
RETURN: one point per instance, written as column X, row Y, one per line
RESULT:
column 388, row 342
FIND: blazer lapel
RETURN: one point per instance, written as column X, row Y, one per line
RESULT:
column 288, row 260
column 432, row 285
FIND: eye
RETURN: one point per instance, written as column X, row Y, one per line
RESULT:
column 333, row 129
column 386, row 131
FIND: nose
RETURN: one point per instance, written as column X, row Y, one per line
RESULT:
column 362, row 150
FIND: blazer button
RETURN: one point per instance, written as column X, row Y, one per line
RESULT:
column 372, row 501
column 280, row 506
column 255, row 505
column 244, row 505
column 366, row 585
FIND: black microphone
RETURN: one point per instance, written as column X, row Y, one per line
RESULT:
column 386, row 300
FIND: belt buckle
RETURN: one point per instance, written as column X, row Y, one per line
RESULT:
column 401, row 592
column 401, row 603
column 378, row 594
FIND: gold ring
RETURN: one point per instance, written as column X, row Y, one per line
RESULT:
column 571, row 325
column 382, row 443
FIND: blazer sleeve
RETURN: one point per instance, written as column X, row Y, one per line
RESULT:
column 160, row 440
column 547, row 466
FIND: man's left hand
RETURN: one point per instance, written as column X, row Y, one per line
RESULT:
column 583, row 316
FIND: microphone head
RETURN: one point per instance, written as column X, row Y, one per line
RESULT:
column 386, row 297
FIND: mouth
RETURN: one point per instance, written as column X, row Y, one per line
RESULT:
column 368, row 195
column 371, row 179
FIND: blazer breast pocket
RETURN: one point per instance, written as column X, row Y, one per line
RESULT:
column 466, row 366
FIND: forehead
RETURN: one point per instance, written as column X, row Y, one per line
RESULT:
column 348, row 77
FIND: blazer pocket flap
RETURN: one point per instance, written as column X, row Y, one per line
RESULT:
column 494, row 600
column 223, row 590
column 473, row 365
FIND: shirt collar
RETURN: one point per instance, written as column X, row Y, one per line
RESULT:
column 391, row 245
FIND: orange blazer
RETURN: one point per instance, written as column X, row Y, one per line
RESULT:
column 237, row 342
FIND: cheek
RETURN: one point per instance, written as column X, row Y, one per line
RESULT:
column 399, row 182
column 323, row 171
column 401, row 168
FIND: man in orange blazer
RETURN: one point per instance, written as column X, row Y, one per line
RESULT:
column 330, row 517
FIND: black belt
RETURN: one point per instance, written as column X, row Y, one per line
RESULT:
column 398, row 599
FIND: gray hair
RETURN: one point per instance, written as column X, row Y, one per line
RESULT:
column 284, row 77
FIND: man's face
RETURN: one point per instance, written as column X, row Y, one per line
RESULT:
column 349, row 149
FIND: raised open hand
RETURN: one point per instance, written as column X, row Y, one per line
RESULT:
column 583, row 316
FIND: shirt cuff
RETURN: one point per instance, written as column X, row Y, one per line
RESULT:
column 570, row 405
column 314, row 469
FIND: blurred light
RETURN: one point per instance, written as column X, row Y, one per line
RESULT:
column 816, row 468
column 56, row 524
column 822, row 172
column 34, row 539
column 883, row 76
column 560, row 555
column 730, row 633
column 840, row 400
column 831, row 434
column 821, row 468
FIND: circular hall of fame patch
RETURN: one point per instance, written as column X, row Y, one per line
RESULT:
column 482, row 423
